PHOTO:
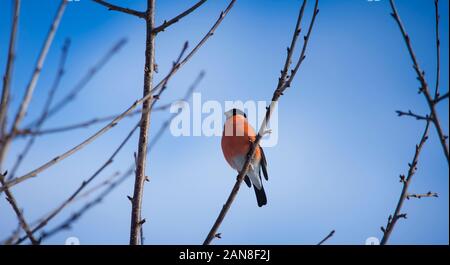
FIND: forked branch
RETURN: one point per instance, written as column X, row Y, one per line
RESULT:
column 168, row 23
column 424, row 87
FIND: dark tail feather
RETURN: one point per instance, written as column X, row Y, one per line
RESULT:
column 260, row 196
column 247, row 181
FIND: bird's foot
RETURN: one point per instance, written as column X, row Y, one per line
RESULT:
column 268, row 131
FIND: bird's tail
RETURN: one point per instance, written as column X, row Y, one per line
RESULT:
column 260, row 196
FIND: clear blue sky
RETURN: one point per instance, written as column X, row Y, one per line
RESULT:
column 341, row 146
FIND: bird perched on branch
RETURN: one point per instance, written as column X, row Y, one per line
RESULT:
column 237, row 137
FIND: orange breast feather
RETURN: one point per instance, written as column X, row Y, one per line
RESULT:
column 236, row 138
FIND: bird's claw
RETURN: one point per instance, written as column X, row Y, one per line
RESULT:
column 268, row 131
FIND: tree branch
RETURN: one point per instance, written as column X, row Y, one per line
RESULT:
column 282, row 85
column 411, row 114
column 438, row 50
column 177, row 18
column 9, row 69
column 34, row 78
column 66, row 224
column 41, row 120
column 424, row 89
column 111, row 185
column 326, row 238
column 121, row 9
column 10, row 198
column 65, row 128
column 136, row 220
column 116, row 120
column 86, row 182
column 440, row 98
column 392, row 220
column 89, row 75
column 84, row 124
column 418, row 196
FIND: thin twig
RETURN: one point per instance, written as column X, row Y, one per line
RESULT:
column 33, row 81
column 438, row 50
column 87, row 77
column 40, row 62
column 424, row 195
column 168, row 23
column 80, row 125
column 424, row 89
column 440, row 98
column 66, row 224
column 406, row 181
column 116, row 120
column 282, row 85
column 166, row 124
column 121, row 9
column 9, row 69
column 97, row 187
column 84, row 124
column 87, row 193
column 15, row 235
column 412, row 114
column 10, row 198
column 51, row 94
column 326, row 238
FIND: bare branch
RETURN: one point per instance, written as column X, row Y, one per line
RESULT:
column 424, row 89
column 15, row 235
column 111, row 185
column 440, row 98
column 40, row 62
column 121, row 9
column 148, row 90
column 326, row 238
column 10, row 198
column 392, row 220
column 149, row 66
column 438, row 50
column 84, row 124
column 9, row 69
column 136, row 219
column 411, row 114
column 34, row 78
column 72, row 197
column 418, row 196
column 41, row 120
column 90, row 74
column 166, row 124
column 177, row 18
column 71, row 151
column 303, row 52
column 116, row 120
column 282, row 85
column 66, row 224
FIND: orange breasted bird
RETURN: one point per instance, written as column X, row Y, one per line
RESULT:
column 237, row 137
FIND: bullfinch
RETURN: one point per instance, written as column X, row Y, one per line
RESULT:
column 237, row 137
